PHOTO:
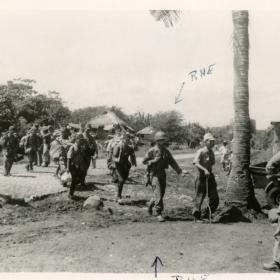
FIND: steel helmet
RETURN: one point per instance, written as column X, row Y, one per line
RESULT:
column 208, row 136
column 160, row 135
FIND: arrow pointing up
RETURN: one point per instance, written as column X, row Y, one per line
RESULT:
column 155, row 263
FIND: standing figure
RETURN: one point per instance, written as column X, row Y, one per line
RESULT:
column 158, row 158
column 272, row 169
column 38, row 159
column 22, row 143
column 224, row 153
column 274, row 217
column 205, row 179
column 31, row 146
column 95, row 155
column 58, row 151
column 46, row 137
column 90, row 150
column 76, row 163
column 109, row 152
column 123, row 157
column 65, row 145
column 10, row 146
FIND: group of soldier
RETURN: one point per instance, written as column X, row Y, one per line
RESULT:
column 74, row 150
column 120, row 158
column 35, row 144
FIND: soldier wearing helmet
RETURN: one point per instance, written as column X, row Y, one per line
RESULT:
column 123, row 156
column 158, row 158
column 204, row 161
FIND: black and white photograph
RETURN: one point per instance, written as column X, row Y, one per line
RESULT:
column 139, row 140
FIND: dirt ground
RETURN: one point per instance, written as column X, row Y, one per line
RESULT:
column 56, row 234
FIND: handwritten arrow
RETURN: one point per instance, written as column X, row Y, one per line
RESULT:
column 155, row 263
column 178, row 97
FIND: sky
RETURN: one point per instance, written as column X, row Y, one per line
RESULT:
column 127, row 59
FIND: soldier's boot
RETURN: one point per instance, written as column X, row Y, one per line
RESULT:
column 114, row 177
column 5, row 170
column 196, row 214
column 71, row 191
column 150, row 208
column 119, row 192
column 160, row 218
column 6, row 167
column 10, row 168
column 274, row 266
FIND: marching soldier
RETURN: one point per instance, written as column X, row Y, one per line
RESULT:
column 158, row 158
column 9, row 145
column 31, row 146
column 123, row 157
column 109, row 153
column 76, row 163
column 205, row 179
column 90, row 151
column 46, row 137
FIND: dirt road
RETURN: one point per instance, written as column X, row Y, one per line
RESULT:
column 182, row 246
column 57, row 234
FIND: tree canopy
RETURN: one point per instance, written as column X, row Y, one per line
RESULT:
column 21, row 104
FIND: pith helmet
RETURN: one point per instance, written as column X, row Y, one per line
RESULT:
column 160, row 135
column 208, row 136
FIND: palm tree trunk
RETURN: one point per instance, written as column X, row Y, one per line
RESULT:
column 240, row 191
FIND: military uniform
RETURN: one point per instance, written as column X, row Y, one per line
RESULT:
column 9, row 149
column 32, row 144
column 46, row 137
column 90, row 149
column 121, row 155
column 77, row 166
column 206, row 158
column 110, row 163
column 39, row 152
column 159, row 159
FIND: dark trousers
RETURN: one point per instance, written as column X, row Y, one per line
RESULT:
column 200, row 193
column 31, row 158
column 76, row 174
column 8, row 163
column 84, row 170
column 158, row 186
column 122, row 172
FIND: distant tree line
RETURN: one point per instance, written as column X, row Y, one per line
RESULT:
column 22, row 105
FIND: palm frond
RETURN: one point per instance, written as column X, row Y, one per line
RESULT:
column 169, row 17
